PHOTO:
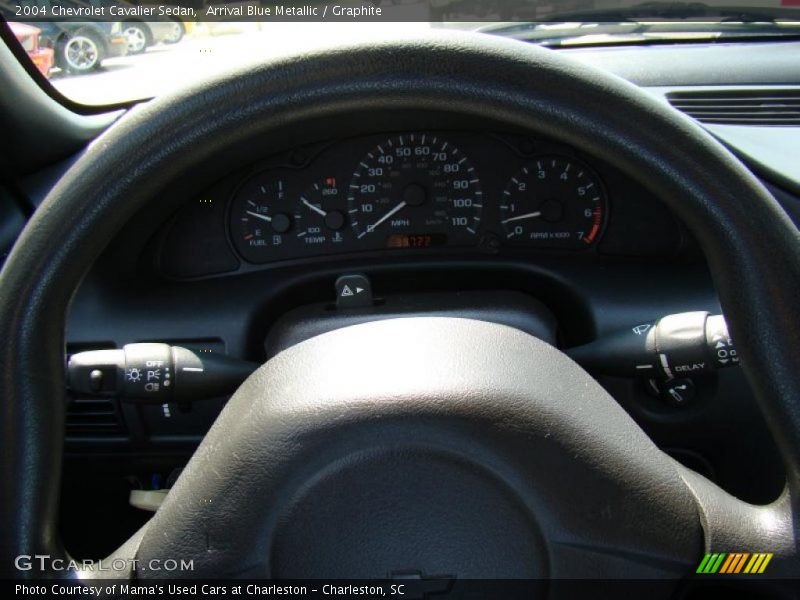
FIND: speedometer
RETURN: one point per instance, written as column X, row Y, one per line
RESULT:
column 415, row 190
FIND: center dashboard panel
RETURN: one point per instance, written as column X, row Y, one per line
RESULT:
column 414, row 192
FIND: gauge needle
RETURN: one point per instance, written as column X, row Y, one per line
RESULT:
column 374, row 226
column 260, row 216
column 316, row 209
column 529, row 215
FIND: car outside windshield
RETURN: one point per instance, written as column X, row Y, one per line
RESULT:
column 117, row 51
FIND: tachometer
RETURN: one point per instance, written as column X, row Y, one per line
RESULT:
column 415, row 190
column 554, row 201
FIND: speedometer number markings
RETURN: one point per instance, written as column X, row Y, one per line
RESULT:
column 415, row 190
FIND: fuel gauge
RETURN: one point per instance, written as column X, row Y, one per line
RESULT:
column 271, row 219
column 261, row 220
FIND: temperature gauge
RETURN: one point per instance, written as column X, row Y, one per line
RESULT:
column 278, row 218
column 320, row 215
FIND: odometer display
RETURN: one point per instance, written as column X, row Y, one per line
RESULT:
column 415, row 185
column 410, row 240
column 553, row 201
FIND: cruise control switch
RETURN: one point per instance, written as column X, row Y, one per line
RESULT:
column 681, row 345
column 156, row 373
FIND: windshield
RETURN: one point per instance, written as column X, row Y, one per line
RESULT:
column 101, row 52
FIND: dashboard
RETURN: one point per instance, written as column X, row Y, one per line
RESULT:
column 453, row 217
column 417, row 192
column 446, row 216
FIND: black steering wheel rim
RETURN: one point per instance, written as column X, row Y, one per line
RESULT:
column 750, row 244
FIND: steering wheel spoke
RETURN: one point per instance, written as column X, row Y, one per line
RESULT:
column 731, row 525
column 499, row 457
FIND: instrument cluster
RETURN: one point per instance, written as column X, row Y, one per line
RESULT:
column 417, row 190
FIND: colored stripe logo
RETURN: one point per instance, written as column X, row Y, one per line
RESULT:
column 734, row 563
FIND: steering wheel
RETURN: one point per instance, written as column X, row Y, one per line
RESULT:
column 442, row 446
